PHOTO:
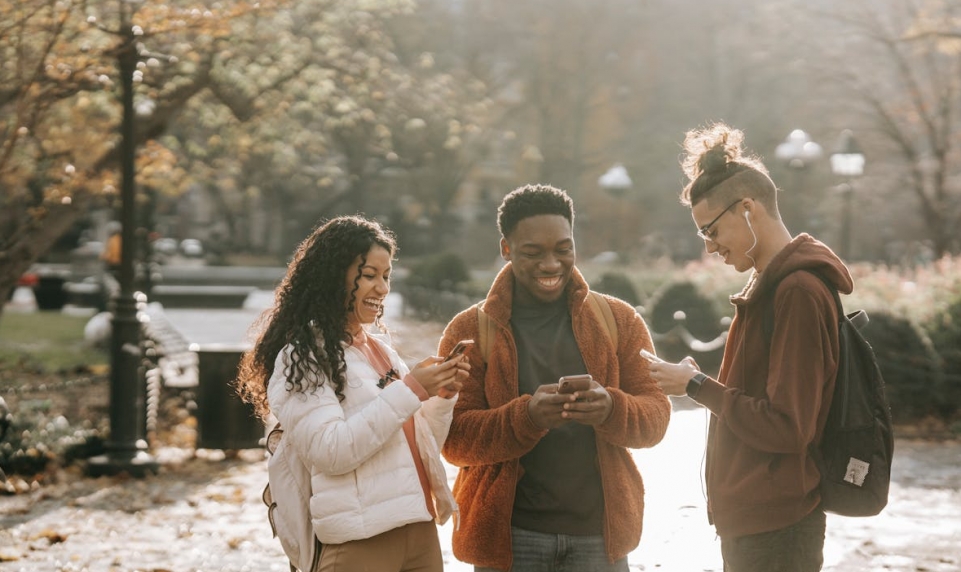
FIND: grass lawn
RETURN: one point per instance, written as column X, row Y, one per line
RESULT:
column 51, row 341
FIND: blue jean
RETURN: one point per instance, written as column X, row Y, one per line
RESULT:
column 541, row 552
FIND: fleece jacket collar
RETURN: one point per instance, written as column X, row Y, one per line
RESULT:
column 501, row 295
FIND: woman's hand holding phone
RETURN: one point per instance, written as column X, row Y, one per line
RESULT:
column 461, row 369
column 458, row 349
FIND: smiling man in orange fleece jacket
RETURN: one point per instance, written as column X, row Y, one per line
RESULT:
column 546, row 480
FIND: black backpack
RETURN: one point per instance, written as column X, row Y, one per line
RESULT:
column 857, row 446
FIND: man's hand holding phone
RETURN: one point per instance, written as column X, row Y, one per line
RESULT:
column 650, row 357
column 584, row 400
column 573, row 398
column 571, row 383
column 672, row 377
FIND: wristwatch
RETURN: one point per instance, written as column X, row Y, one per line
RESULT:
column 694, row 384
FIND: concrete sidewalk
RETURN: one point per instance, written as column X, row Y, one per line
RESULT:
column 204, row 513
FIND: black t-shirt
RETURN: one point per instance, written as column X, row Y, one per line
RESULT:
column 560, row 491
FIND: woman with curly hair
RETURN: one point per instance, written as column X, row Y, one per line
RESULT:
column 368, row 429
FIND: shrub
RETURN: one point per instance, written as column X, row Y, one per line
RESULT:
column 437, row 287
column 700, row 318
column 619, row 285
column 444, row 271
column 39, row 438
column 912, row 374
column 945, row 333
column 434, row 305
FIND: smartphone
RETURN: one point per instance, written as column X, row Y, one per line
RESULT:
column 650, row 357
column 460, row 348
column 572, row 383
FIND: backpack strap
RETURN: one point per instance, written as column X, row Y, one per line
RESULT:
column 602, row 309
column 599, row 305
column 485, row 331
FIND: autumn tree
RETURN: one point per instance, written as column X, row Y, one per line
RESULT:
column 342, row 135
column 59, row 105
column 934, row 158
column 52, row 76
column 736, row 61
column 896, row 66
column 571, row 67
column 318, row 143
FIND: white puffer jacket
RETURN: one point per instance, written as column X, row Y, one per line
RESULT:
column 363, row 478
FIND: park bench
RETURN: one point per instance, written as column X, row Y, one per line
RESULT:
column 169, row 362
column 200, row 296
column 200, row 376
column 175, row 362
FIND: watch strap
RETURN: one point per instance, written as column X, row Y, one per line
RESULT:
column 694, row 384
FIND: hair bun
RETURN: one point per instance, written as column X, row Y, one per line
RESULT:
column 711, row 150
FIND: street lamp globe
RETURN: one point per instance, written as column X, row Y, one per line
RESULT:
column 616, row 181
column 798, row 150
column 847, row 159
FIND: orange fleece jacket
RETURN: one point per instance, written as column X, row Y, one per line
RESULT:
column 492, row 429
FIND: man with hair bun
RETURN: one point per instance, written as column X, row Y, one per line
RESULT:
column 772, row 395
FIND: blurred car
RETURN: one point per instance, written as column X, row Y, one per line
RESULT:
column 191, row 248
column 164, row 246
column 28, row 280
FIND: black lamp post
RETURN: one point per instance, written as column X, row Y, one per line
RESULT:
column 126, row 447
column 847, row 160
column 798, row 152
column 617, row 183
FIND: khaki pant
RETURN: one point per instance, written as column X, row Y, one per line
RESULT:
column 796, row 548
column 414, row 547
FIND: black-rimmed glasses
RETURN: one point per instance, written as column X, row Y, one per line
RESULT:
column 705, row 232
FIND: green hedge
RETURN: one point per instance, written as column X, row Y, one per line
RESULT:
column 945, row 333
column 445, row 271
column 40, row 437
column 909, row 364
column 617, row 284
column 700, row 318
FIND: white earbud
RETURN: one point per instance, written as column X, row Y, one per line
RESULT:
column 747, row 219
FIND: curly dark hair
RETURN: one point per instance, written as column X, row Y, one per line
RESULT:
column 312, row 304
column 714, row 156
column 532, row 200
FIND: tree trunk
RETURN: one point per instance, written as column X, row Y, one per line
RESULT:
column 28, row 237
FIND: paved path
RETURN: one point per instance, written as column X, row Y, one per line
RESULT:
column 204, row 513
column 920, row 529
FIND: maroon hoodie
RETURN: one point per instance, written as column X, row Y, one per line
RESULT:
column 773, row 393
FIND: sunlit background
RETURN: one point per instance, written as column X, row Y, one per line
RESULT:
column 254, row 121
column 229, row 129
